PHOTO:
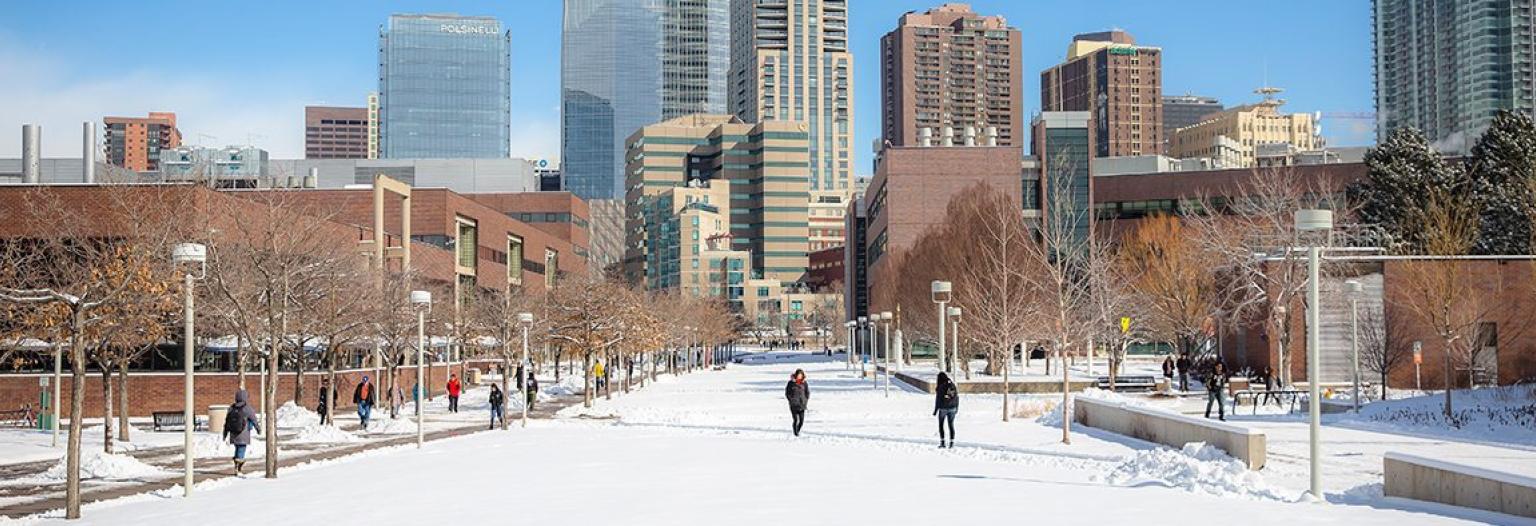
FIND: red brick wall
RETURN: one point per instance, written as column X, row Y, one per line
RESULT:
column 162, row 391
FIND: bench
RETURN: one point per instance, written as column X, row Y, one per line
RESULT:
column 1436, row 480
column 23, row 418
column 1134, row 383
column 165, row 419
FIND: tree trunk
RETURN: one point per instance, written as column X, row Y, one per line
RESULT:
column 1448, row 378
column 1007, row 393
column 122, row 397
column 298, row 377
column 506, row 373
column 106, row 407
column 269, row 396
column 240, row 360
column 1066, row 400
column 586, row 379
column 557, row 367
column 76, row 414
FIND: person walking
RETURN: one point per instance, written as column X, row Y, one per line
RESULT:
column 531, row 390
column 1271, row 384
column 497, row 402
column 327, row 399
column 597, row 375
column 799, row 394
column 364, row 398
column 238, row 424
column 1216, row 391
column 1183, row 367
column 1168, row 368
column 946, row 403
column 454, row 388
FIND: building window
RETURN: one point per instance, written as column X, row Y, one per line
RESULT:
column 551, row 266
column 514, row 260
column 466, row 244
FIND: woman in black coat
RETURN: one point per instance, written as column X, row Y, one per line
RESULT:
column 946, row 403
column 799, row 394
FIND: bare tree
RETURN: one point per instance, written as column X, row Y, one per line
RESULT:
column 1175, row 279
column 1440, row 291
column 1384, row 348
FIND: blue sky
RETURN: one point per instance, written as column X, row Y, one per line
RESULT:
column 238, row 72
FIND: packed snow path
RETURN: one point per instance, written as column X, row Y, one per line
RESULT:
column 714, row 448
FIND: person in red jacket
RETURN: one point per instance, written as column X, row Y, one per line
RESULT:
column 453, row 393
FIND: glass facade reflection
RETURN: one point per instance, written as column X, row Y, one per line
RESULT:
column 444, row 88
column 626, row 64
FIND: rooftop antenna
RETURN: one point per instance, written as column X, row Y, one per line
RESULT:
column 1268, row 92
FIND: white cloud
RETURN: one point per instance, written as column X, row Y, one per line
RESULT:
column 48, row 91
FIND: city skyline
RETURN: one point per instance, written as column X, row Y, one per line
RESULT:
column 247, row 86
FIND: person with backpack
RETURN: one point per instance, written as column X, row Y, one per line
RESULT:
column 364, row 397
column 238, row 424
column 1216, row 391
column 798, row 393
column 1183, row 367
column 454, row 388
column 327, row 401
column 946, row 403
column 531, row 390
column 497, row 401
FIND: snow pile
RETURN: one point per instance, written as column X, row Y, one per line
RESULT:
column 391, row 426
column 570, row 385
column 95, row 464
column 208, row 446
column 324, row 434
column 1198, row 468
column 1051, row 416
column 291, row 416
column 1502, row 414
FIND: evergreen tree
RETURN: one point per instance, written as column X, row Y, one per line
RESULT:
column 1501, row 171
column 1400, row 173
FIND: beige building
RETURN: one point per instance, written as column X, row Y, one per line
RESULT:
column 790, row 62
column 949, row 68
column 765, row 166
column 1237, row 134
column 825, row 219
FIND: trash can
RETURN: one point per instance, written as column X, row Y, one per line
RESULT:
column 474, row 376
column 216, row 414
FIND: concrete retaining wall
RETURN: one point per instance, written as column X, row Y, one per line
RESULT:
column 1175, row 430
column 1016, row 387
column 1419, row 478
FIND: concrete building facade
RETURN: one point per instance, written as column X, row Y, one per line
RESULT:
column 949, row 68
column 135, row 142
column 1247, row 128
column 765, row 165
column 1116, row 81
column 790, row 61
column 460, row 175
column 332, row 132
column 1186, row 110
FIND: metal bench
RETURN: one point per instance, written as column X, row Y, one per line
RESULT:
column 23, row 418
column 1134, row 382
column 173, row 419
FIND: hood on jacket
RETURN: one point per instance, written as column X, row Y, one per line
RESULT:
column 240, row 397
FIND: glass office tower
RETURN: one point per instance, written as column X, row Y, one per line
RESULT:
column 625, row 64
column 445, row 87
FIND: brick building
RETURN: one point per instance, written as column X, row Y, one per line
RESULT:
column 332, row 132
column 1119, row 83
column 949, row 68
column 135, row 142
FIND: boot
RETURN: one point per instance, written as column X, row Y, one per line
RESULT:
column 239, row 466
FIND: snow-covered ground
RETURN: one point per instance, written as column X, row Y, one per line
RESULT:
column 714, row 447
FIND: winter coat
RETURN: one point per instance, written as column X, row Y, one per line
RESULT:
column 532, row 387
column 798, row 394
column 358, row 396
column 454, row 387
column 1168, row 367
column 495, row 399
column 946, row 396
column 1216, row 381
column 1183, row 365
column 243, row 437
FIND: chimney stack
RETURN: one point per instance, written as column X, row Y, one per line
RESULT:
column 88, row 153
column 948, row 139
column 970, row 135
column 31, row 153
column 925, row 137
column 313, row 181
column 991, row 135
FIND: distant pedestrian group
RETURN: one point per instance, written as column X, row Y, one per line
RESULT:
column 946, row 404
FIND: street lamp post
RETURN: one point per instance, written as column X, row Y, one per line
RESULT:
column 1355, row 290
column 187, row 253
column 848, row 347
column 1418, row 359
column 526, row 320
column 422, row 301
column 941, row 294
column 887, row 317
column 1314, row 221
column 954, row 351
column 863, row 332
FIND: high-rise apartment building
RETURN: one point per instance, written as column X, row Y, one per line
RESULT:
column 765, row 165
column 950, row 69
column 625, row 64
column 335, row 133
column 135, row 142
column 1446, row 67
column 1185, row 110
column 445, row 88
column 1119, row 83
column 790, row 62
column 373, row 125
column 1233, row 137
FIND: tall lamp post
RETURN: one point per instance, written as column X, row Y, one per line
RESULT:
column 187, row 254
column 886, row 317
column 1314, row 221
column 422, row 301
column 848, row 348
column 526, row 320
column 863, row 334
column 1355, row 290
column 941, row 295
column 954, row 350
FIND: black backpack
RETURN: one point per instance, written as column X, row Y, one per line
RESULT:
column 234, row 422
